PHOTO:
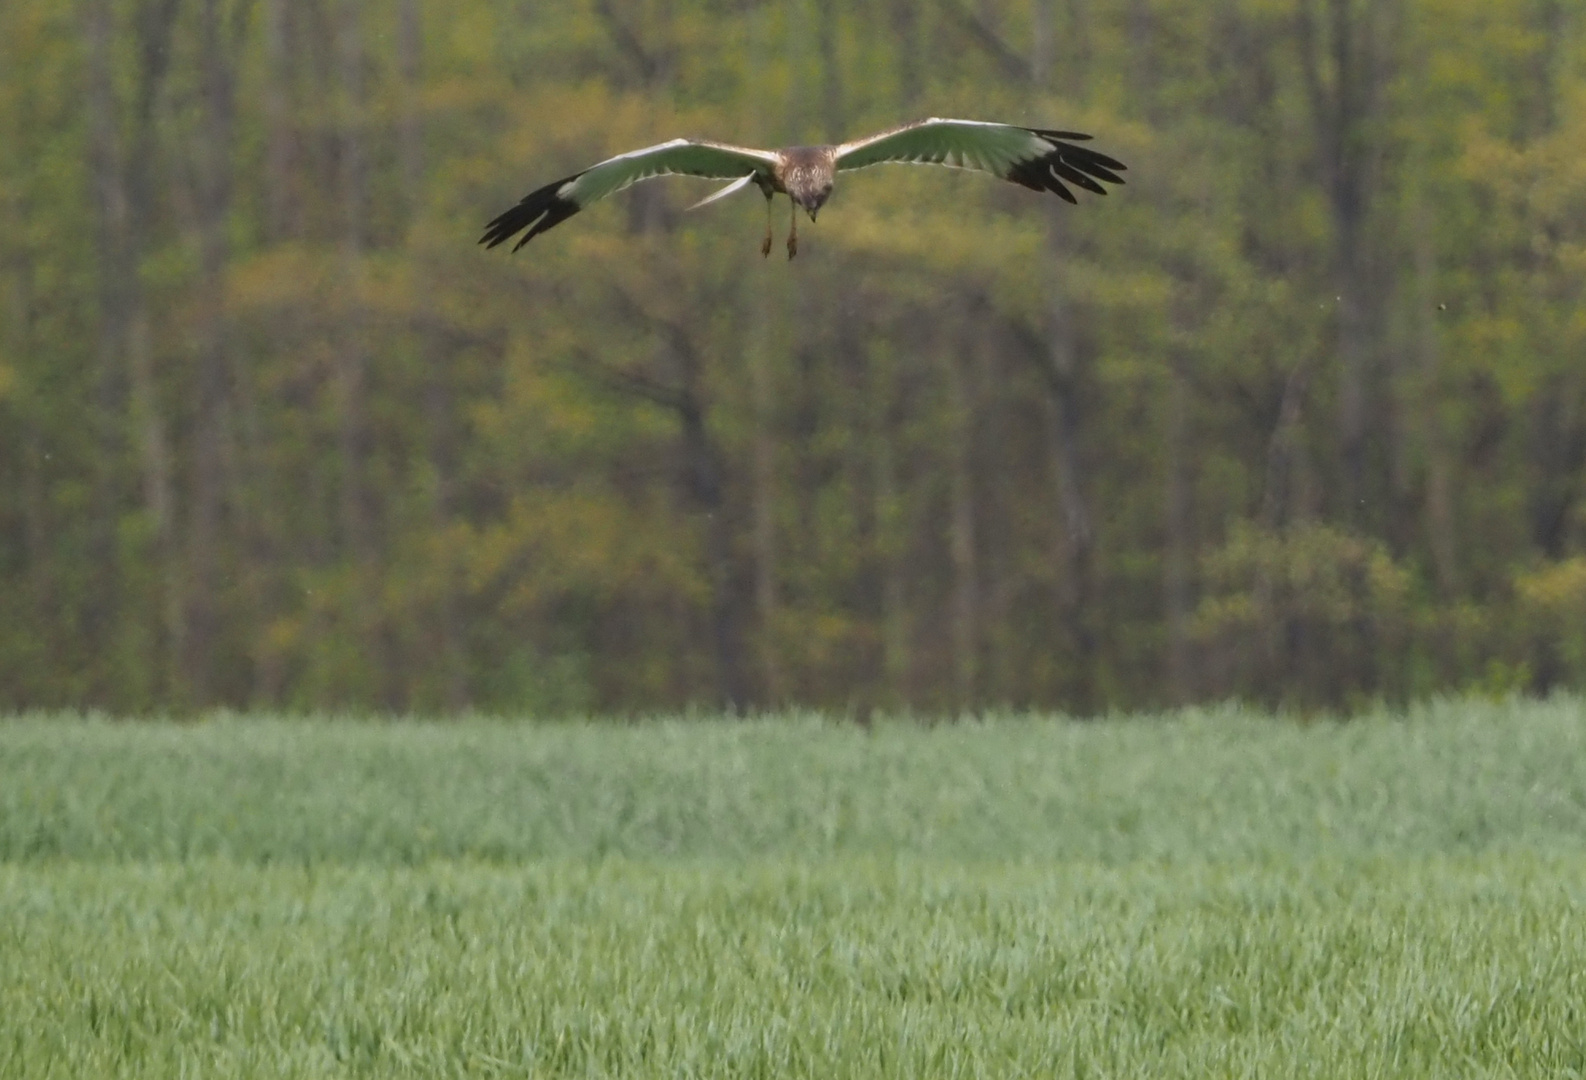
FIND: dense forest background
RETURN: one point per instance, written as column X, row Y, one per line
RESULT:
column 1299, row 415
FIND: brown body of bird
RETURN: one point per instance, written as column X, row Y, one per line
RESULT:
column 806, row 175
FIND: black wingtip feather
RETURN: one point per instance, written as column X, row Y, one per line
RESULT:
column 1078, row 165
column 542, row 209
column 1074, row 176
column 1093, row 160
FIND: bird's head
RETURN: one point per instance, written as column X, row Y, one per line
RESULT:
column 814, row 197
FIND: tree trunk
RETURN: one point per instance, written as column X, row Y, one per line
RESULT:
column 1041, row 44
column 702, row 462
column 891, row 554
column 212, row 203
column 1178, row 543
column 768, row 338
column 282, row 218
column 352, row 358
column 1079, row 60
column 1061, row 368
column 357, row 496
column 440, row 435
column 1058, row 361
column 155, row 26
column 1283, row 498
column 410, row 65
column 764, row 510
column 118, row 269
column 905, row 19
column 1343, row 74
column 827, row 36
column 965, row 626
column 1440, row 524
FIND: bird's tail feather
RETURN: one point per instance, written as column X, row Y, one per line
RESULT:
column 728, row 190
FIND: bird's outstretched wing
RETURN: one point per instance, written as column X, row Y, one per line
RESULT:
column 1037, row 158
column 555, row 203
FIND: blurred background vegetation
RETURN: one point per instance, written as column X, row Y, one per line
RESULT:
column 1297, row 416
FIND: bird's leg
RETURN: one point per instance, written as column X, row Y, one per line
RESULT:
column 793, row 231
column 765, row 246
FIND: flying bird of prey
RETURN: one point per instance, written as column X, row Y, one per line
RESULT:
column 1034, row 157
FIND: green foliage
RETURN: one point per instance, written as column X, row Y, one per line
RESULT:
column 1306, row 609
column 1552, row 601
column 273, row 433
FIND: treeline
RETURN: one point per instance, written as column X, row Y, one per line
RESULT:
column 1298, row 415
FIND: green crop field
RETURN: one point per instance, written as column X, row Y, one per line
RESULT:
column 1207, row 894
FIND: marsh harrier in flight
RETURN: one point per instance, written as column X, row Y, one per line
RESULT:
column 1037, row 158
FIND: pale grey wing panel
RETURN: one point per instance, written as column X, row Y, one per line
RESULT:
column 962, row 144
column 680, row 157
column 546, row 207
column 1035, row 158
